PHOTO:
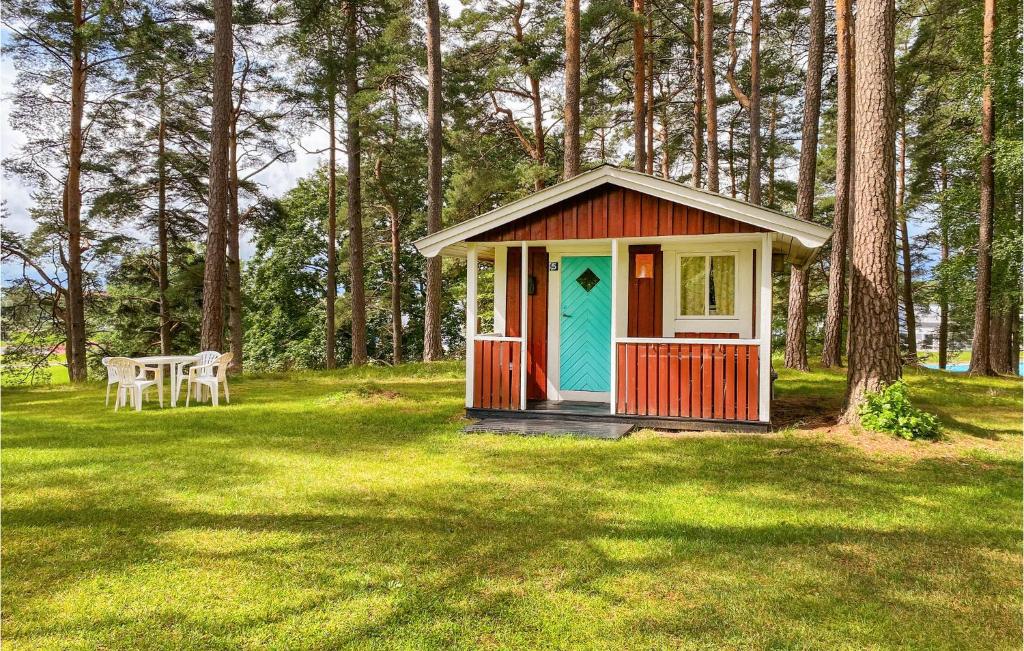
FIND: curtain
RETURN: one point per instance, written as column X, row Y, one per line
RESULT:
column 723, row 285
column 691, row 286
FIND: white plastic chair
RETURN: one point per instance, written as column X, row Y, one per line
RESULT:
column 131, row 382
column 212, row 376
column 111, row 379
column 203, row 359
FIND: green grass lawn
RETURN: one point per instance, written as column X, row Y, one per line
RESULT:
column 346, row 510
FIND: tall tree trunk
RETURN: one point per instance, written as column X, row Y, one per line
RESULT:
column 331, row 327
column 161, row 226
column 943, row 258
column 1000, row 339
column 710, row 97
column 396, row 287
column 639, row 87
column 874, row 330
column 908, row 271
column 750, row 103
column 754, row 165
column 666, row 151
column 831, row 353
column 571, row 159
column 773, row 123
column 980, row 362
column 732, row 155
column 796, row 323
column 234, row 262
column 649, row 109
column 77, row 367
column 432, row 310
column 1015, row 326
column 354, row 150
column 538, row 131
column 698, row 95
column 212, row 337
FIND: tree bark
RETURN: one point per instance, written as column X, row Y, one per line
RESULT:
column 943, row 258
column 354, row 151
column 538, row 131
column 980, row 362
column 773, row 122
column 698, row 95
column 874, row 331
column 234, row 262
column 432, row 310
column 831, row 353
column 1001, row 340
column 571, row 158
column 161, row 226
column 666, row 152
column 212, row 337
column 908, row 271
column 75, row 353
column 754, row 164
column 649, row 111
column 396, row 288
column 710, row 96
column 331, row 327
column 750, row 103
column 796, row 323
column 639, row 88
column 732, row 155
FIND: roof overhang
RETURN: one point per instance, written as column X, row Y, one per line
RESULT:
column 795, row 238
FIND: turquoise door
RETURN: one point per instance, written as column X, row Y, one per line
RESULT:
column 584, row 347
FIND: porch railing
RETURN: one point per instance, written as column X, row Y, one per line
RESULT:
column 706, row 380
column 497, row 372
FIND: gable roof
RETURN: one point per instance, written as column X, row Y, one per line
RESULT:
column 796, row 238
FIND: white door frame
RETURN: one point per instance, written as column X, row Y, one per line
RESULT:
column 555, row 253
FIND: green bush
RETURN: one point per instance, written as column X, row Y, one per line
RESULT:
column 890, row 410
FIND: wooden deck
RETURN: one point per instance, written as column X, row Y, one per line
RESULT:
column 599, row 412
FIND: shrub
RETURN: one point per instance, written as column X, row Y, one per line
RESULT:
column 889, row 410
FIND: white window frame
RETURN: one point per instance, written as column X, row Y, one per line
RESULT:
column 707, row 255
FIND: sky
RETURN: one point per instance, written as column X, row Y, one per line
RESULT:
column 276, row 180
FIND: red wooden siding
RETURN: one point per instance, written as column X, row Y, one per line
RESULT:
column 496, row 366
column 707, row 335
column 645, row 296
column 513, row 292
column 611, row 211
column 537, row 327
column 708, row 381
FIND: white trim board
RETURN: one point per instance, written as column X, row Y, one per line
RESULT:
column 802, row 237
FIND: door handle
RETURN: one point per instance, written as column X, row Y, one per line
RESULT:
column 566, row 315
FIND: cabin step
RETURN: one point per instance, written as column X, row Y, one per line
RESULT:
column 610, row 431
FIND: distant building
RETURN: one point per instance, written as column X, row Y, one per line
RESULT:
column 927, row 318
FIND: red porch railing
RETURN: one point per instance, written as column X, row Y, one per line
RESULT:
column 496, row 374
column 712, row 381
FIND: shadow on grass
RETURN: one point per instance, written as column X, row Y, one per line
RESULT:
column 332, row 513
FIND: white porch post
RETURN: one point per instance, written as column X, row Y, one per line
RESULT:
column 500, row 270
column 765, row 327
column 472, row 265
column 615, row 318
column 524, row 262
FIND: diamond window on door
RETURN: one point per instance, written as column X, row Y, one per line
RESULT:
column 588, row 280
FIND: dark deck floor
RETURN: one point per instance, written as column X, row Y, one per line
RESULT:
column 567, row 415
column 610, row 431
column 577, row 407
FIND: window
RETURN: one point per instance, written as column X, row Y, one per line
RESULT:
column 707, row 285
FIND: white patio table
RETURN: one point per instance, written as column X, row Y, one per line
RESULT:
column 175, row 362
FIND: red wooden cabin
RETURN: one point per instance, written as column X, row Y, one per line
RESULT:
column 622, row 295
